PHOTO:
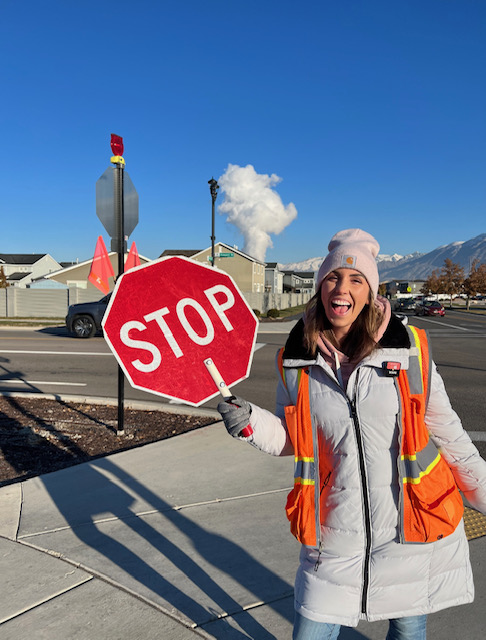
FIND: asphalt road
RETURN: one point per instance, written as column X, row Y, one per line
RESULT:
column 49, row 361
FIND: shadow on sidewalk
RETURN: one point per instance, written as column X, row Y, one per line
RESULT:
column 101, row 497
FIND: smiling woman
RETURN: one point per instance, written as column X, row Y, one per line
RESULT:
column 379, row 454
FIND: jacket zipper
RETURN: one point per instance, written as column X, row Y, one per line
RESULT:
column 366, row 501
column 364, row 489
column 401, row 526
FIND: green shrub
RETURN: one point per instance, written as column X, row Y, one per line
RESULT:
column 257, row 312
column 273, row 313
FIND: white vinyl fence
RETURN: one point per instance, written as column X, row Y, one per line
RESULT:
column 54, row 303
column 41, row 303
column 265, row 301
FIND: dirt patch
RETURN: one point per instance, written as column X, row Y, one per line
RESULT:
column 39, row 435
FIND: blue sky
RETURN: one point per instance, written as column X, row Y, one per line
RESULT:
column 371, row 112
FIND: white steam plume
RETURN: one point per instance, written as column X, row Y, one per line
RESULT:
column 254, row 207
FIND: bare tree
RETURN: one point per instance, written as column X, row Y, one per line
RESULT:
column 432, row 284
column 476, row 281
column 452, row 278
column 382, row 289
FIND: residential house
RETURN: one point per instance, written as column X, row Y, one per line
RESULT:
column 308, row 280
column 21, row 269
column 294, row 282
column 247, row 272
column 273, row 278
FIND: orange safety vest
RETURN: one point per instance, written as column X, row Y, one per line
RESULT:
column 431, row 506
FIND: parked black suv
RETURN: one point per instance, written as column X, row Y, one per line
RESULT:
column 83, row 320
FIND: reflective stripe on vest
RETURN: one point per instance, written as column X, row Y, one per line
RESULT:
column 414, row 467
column 304, row 471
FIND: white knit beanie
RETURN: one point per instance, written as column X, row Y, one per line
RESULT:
column 352, row 249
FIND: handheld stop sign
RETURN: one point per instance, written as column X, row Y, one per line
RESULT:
column 181, row 330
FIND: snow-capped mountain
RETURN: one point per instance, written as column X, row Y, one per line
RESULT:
column 312, row 264
column 415, row 266
column 383, row 256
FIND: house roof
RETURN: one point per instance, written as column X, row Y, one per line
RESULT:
column 21, row 258
column 242, row 253
column 180, row 252
column 298, row 276
column 18, row 275
column 68, row 268
column 71, row 266
column 188, row 253
column 232, row 249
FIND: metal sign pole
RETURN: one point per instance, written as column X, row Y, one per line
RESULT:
column 120, row 228
column 117, row 209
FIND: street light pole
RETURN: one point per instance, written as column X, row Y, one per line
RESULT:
column 213, row 188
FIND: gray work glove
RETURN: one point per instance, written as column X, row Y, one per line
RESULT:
column 236, row 415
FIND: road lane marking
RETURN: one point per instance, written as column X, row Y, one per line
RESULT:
column 56, row 353
column 59, row 384
column 477, row 436
column 258, row 345
column 460, row 336
column 445, row 324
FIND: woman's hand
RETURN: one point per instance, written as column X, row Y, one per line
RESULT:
column 236, row 415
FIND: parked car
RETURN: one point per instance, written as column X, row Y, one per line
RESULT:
column 83, row 320
column 429, row 308
column 407, row 304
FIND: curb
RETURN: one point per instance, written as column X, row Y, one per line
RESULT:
column 181, row 409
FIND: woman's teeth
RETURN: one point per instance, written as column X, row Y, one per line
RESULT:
column 340, row 306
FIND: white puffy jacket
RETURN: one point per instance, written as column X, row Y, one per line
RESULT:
column 362, row 570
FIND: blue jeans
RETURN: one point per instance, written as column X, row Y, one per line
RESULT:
column 410, row 628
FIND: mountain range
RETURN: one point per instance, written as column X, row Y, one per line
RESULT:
column 414, row 266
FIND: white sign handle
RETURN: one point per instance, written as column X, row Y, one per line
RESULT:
column 218, row 379
column 224, row 390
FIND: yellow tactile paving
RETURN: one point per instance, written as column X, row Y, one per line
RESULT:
column 475, row 523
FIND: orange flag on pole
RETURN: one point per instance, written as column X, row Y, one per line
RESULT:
column 132, row 259
column 101, row 269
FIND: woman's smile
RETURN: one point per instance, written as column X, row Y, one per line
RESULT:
column 344, row 293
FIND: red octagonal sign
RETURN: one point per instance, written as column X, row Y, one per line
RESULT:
column 167, row 317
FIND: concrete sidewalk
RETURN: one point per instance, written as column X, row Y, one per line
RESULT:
column 184, row 538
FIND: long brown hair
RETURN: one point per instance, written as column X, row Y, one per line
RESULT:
column 359, row 341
